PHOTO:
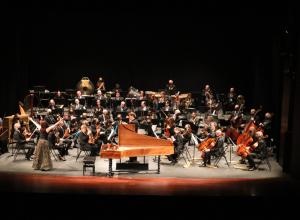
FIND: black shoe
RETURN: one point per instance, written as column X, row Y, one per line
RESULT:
column 203, row 165
column 173, row 162
column 242, row 161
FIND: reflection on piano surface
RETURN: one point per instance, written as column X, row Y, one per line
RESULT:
column 132, row 144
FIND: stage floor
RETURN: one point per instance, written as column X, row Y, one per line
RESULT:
column 66, row 177
column 72, row 168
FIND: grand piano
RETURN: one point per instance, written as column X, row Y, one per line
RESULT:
column 132, row 144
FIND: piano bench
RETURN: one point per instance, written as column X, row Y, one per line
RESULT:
column 89, row 161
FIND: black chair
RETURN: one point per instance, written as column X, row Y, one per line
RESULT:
column 89, row 161
column 262, row 157
column 21, row 146
column 221, row 154
column 81, row 148
column 185, row 155
column 53, row 153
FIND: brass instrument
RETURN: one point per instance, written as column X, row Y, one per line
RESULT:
column 86, row 86
column 133, row 92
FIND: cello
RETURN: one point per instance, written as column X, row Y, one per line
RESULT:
column 245, row 140
column 207, row 144
column 235, row 122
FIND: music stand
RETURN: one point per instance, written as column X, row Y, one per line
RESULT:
column 60, row 101
column 58, row 111
column 103, row 103
column 140, row 114
column 193, row 127
column 124, row 115
column 78, row 112
column 82, row 101
column 89, row 101
column 131, row 102
column 116, row 103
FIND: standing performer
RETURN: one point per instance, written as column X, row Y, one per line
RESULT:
column 42, row 160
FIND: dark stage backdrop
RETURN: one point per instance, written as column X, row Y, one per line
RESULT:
column 56, row 49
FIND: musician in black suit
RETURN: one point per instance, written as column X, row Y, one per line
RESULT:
column 49, row 118
column 59, row 98
column 118, row 96
column 122, row 107
column 143, row 107
column 98, row 108
column 132, row 120
column 178, row 141
column 217, row 149
column 171, row 88
column 78, row 106
column 20, row 139
column 83, row 139
column 52, row 105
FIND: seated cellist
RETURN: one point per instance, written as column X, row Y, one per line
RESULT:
column 245, row 146
column 216, row 148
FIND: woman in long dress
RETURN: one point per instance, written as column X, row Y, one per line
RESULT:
column 42, row 159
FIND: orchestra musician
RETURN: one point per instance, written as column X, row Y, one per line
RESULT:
column 208, row 94
column 78, row 106
column 244, row 147
column 171, row 88
column 59, row 98
column 49, row 118
column 266, row 126
column 122, row 107
column 52, row 105
column 58, row 95
column 105, row 116
column 167, row 107
column 231, row 99
column 100, row 85
column 194, row 118
column 23, row 142
column 143, row 107
column 178, row 142
column 86, row 142
column 216, row 149
column 98, row 109
column 79, row 95
column 99, row 95
column 141, row 95
column 118, row 96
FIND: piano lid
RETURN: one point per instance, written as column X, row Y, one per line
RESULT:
column 128, row 137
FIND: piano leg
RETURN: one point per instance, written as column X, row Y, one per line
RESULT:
column 110, row 170
column 158, row 165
